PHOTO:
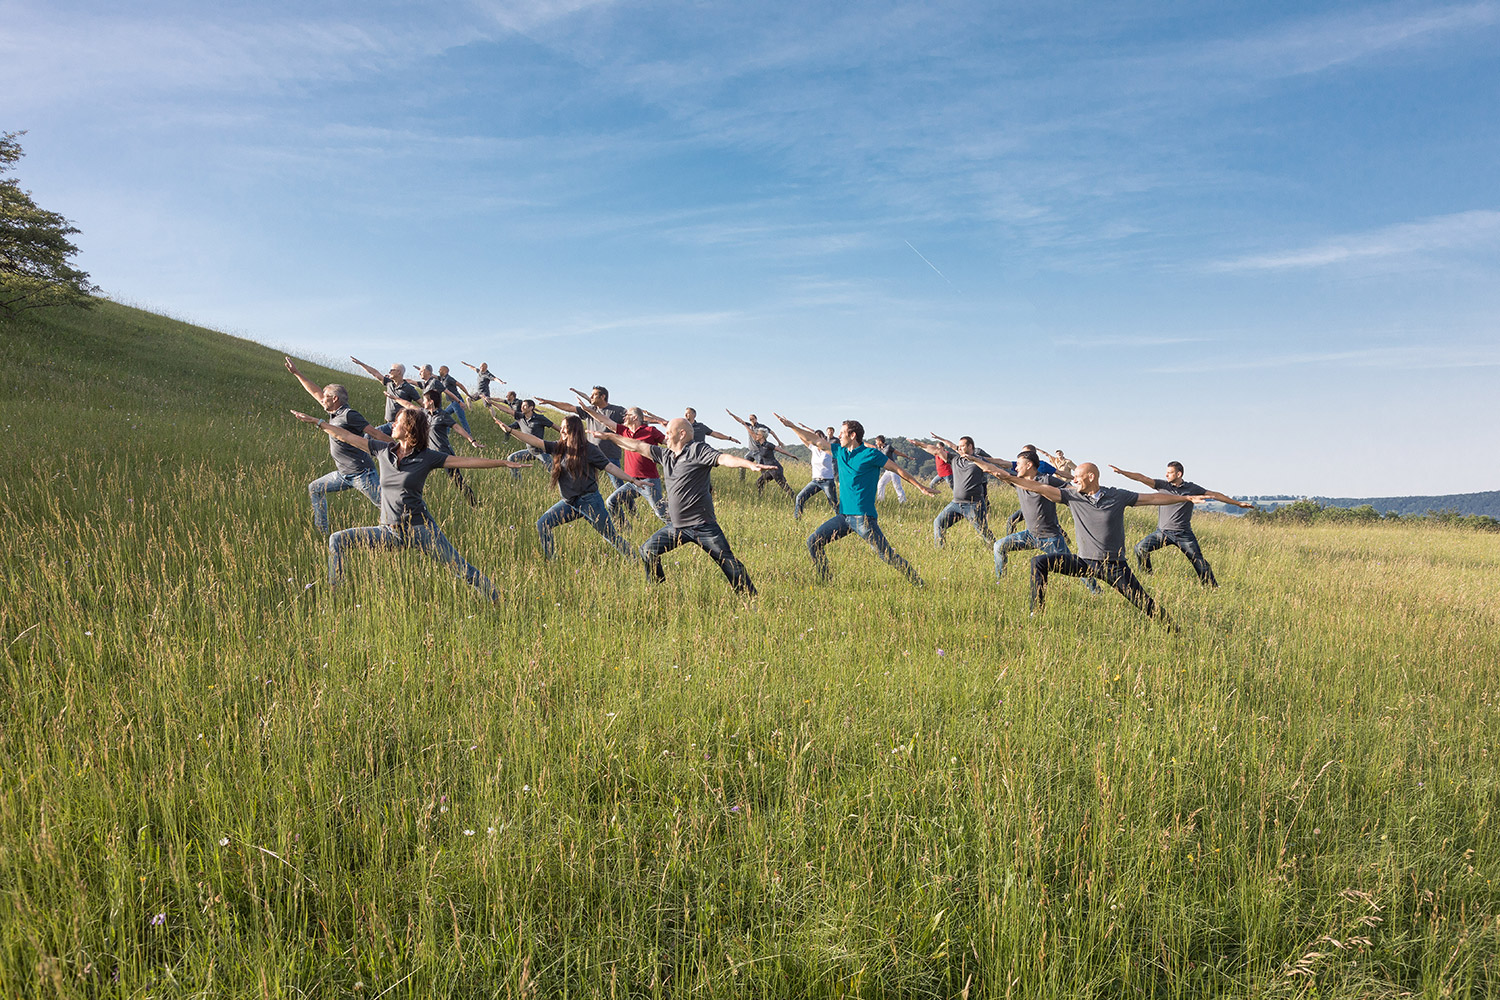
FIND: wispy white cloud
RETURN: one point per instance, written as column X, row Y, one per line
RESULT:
column 1460, row 231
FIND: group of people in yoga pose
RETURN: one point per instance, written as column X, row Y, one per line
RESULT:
column 666, row 464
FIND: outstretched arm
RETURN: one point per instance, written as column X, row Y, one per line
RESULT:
column 520, row 435
column 735, row 462
column 1222, row 498
column 619, row 473
column 891, row 466
column 810, row 437
column 788, row 454
column 474, row 462
column 313, row 389
column 351, row 439
column 408, row 404
column 934, row 450
column 373, row 373
column 629, row 444
column 585, row 409
column 737, row 420
column 467, row 436
column 652, row 418
column 558, row 404
column 723, row 437
column 1050, row 492
column 1141, row 478
column 1167, row 499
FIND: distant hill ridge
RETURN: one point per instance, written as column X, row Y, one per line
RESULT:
column 1487, row 504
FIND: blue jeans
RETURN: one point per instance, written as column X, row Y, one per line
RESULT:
column 1184, row 540
column 977, row 511
column 866, row 527
column 590, row 506
column 1052, row 545
column 1115, row 572
column 367, row 483
column 941, row 479
column 527, row 455
column 459, row 415
column 427, row 537
column 710, row 538
column 648, row 488
column 829, row 488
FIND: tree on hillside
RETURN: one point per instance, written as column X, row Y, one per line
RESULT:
column 34, row 246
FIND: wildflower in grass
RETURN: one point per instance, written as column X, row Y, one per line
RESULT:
column 468, row 833
column 158, row 920
column 941, row 653
column 223, row 841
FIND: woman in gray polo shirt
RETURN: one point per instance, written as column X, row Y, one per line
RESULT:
column 405, row 522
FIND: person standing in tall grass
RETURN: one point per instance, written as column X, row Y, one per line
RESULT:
column 404, row 464
column 639, row 467
column 440, row 422
column 822, row 477
column 686, row 465
column 353, row 469
column 1043, row 530
column 971, row 495
column 1174, row 524
column 394, row 381
column 483, row 378
column 859, row 469
column 576, row 463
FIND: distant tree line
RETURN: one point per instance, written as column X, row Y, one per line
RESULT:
column 1312, row 512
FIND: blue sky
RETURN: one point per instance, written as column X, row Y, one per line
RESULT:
column 1260, row 238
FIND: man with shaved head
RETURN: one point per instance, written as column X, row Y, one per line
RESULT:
column 1099, row 515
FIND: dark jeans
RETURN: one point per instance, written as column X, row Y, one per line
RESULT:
column 776, row 476
column 1052, row 545
column 590, row 506
column 866, row 527
column 829, row 488
column 977, row 511
column 460, row 416
column 708, row 537
column 1115, row 572
column 1016, row 517
column 1184, row 540
column 941, row 479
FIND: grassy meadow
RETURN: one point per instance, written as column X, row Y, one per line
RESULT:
column 215, row 781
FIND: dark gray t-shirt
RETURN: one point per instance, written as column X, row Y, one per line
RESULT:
column 401, row 482
column 685, row 476
column 483, row 382
column 616, row 415
column 348, row 459
column 1039, row 512
column 701, row 431
column 402, row 388
column 1100, row 519
column 1177, row 516
column 970, row 482
column 536, row 425
column 439, row 425
column 572, row 487
column 764, row 454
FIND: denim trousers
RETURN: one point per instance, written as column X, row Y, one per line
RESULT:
column 459, row 415
column 367, row 482
column 708, row 537
column 1184, row 540
column 829, row 488
column 977, row 512
column 527, row 455
column 590, row 507
column 426, row 537
column 1115, row 572
column 1052, row 545
column 650, row 489
column 866, row 527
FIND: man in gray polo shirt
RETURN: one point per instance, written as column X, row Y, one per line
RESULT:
column 1043, row 531
column 685, row 466
column 352, row 469
column 1174, row 524
column 1099, row 515
column 971, row 493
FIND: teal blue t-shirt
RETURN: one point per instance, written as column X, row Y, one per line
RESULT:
column 859, row 474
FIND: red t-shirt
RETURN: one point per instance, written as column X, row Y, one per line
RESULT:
column 639, row 466
column 944, row 469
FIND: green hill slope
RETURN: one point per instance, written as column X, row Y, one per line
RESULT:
column 214, row 779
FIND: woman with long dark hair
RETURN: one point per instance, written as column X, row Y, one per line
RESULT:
column 405, row 522
column 576, row 462
column 440, row 423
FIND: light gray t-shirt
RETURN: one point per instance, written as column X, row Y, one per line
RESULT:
column 970, row 482
column 1039, row 512
column 1100, row 518
column 401, row 482
column 685, row 476
column 1176, row 516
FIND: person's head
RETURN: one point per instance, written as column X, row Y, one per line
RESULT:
column 1174, row 473
column 335, row 397
column 398, row 371
column 1059, row 452
column 572, row 446
column 410, row 428
column 753, row 420
column 510, row 397
column 635, row 417
column 598, row 396
column 1027, row 463
column 679, row 433
column 830, row 433
column 433, row 400
column 880, row 440
column 425, row 371
column 966, row 445
column 528, row 407
column 691, row 414
column 1086, row 477
column 758, row 435
column 484, row 366
column 442, row 369
column 852, row 434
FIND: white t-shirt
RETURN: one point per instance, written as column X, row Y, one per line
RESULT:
column 822, row 464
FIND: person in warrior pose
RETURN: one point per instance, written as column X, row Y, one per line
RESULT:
column 971, row 492
column 1174, row 524
column 353, row 469
column 439, row 423
column 511, row 403
column 533, row 423
column 762, row 452
column 445, row 381
column 1042, row 528
column 394, row 381
column 686, row 465
column 822, row 475
column 405, row 522
column 1099, row 513
column 858, row 469
column 483, row 378
column 889, row 477
column 942, row 458
column 613, row 414
column 751, row 426
column 636, row 465
column 576, row 462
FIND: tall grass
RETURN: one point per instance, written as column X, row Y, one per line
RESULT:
column 215, row 781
